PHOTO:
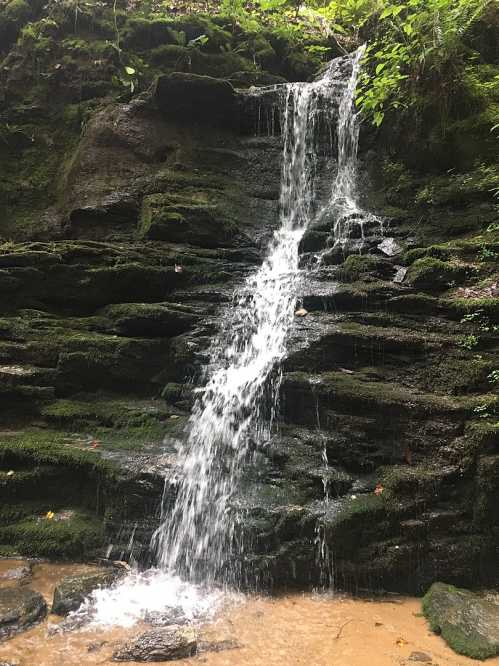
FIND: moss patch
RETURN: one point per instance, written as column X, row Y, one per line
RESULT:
column 468, row 624
column 77, row 537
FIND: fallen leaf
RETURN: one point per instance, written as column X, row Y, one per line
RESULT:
column 301, row 312
column 400, row 642
column 408, row 455
column 10, row 472
column 49, row 515
column 94, row 444
column 378, row 490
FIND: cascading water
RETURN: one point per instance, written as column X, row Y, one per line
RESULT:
column 233, row 413
column 196, row 539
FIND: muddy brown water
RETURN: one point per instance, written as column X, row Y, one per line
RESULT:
column 293, row 630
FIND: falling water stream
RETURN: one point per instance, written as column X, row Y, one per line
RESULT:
column 197, row 541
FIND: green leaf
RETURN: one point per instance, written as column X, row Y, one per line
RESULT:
column 130, row 71
column 380, row 67
column 338, row 28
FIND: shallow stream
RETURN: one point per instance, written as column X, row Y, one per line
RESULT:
column 291, row 630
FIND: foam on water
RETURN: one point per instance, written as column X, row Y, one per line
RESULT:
column 150, row 592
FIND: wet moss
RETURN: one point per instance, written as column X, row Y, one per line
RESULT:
column 49, row 448
column 444, row 606
column 459, row 188
column 357, row 266
column 101, row 411
column 78, row 536
column 434, row 275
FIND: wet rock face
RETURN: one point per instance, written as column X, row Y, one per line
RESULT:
column 70, row 593
column 159, row 645
column 166, row 206
column 467, row 622
column 192, row 98
column 20, row 608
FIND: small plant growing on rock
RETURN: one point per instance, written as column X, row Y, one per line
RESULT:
column 468, row 342
column 493, row 377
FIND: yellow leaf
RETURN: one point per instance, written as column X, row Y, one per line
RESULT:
column 49, row 515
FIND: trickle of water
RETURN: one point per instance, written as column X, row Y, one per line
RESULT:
column 323, row 553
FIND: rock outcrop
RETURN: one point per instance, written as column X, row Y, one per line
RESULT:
column 127, row 223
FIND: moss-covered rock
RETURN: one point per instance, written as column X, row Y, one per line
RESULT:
column 164, row 218
column 468, row 623
column 151, row 320
column 76, row 536
column 431, row 274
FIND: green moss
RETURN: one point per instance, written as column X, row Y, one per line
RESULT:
column 459, row 188
column 102, row 411
column 459, row 307
column 185, row 218
column 413, row 482
column 77, row 537
column 349, row 390
column 358, row 265
column 13, row 16
column 362, row 508
column 457, row 629
column 51, row 448
column 433, row 274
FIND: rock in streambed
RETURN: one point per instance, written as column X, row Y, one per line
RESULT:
column 467, row 622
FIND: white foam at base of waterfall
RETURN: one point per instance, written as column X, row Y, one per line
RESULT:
column 152, row 592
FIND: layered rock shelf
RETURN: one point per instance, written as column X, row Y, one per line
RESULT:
column 115, row 271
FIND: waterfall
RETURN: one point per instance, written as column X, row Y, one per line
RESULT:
column 231, row 414
column 197, row 539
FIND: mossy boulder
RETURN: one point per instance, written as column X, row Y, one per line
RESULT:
column 77, row 535
column 188, row 97
column 205, row 225
column 467, row 622
column 71, row 592
column 20, row 608
column 432, row 274
column 150, row 319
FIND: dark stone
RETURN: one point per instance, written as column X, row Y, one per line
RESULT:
column 70, row 593
column 467, row 622
column 190, row 97
column 159, row 645
column 20, row 608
